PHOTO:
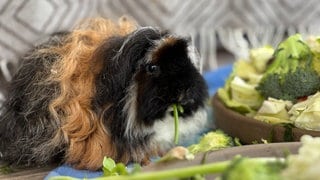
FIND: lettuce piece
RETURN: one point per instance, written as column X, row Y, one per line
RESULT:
column 274, row 111
column 314, row 44
column 246, row 71
column 234, row 105
column 245, row 93
column 214, row 140
column 306, row 114
column 225, row 96
column 239, row 92
column 260, row 57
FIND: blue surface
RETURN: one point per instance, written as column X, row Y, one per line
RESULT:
column 214, row 80
column 217, row 78
column 66, row 170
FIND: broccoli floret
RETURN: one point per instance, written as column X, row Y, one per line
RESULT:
column 292, row 74
column 251, row 169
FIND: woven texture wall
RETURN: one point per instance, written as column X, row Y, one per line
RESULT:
column 233, row 24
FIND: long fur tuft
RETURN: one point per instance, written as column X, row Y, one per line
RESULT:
column 76, row 72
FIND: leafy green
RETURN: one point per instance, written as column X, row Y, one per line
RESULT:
column 242, row 168
column 274, row 111
column 245, row 93
column 110, row 168
column 305, row 114
column 292, row 74
column 212, row 141
column 306, row 164
column 239, row 92
column 260, row 57
column 226, row 98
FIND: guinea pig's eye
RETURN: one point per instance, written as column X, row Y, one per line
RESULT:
column 152, row 69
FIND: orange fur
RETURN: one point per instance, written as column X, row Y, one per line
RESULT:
column 75, row 71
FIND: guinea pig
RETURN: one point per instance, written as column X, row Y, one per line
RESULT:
column 102, row 89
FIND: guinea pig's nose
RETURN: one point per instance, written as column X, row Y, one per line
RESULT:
column 186, row 98
column 186, row 101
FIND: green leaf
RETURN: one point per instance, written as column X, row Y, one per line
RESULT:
column 136, row 169
column 120, row 169
column 108, row 166
column 180, row 108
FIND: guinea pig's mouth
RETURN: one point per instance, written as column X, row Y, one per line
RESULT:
column 180, row 108
column 184, row 105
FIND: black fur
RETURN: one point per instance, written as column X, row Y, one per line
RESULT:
column 25, row 122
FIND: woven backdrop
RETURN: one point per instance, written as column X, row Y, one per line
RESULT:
column 235, row 25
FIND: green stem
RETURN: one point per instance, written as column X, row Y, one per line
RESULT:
column 176, row 124
column 175, row 173
column 62, row 178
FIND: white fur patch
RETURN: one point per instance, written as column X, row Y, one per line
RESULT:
column 194, row 57
column 188, row 128
column 131, row 109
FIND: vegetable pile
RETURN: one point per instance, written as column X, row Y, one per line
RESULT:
column 278, row 85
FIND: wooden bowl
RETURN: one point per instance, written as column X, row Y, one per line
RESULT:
column 248, row 129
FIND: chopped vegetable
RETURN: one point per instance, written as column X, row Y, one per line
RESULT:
column 212, row 141
column 239, row 92
column 226, row 98
column 110, row 168
column 245, row 93
column 305, row 114
column 260, row 57
column 274, row 111
column 251, row 169
column 234, row 98
column 306, row 164
column 292, row 74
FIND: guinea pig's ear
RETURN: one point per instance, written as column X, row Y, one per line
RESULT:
column 195, row 57
column 169, row 48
